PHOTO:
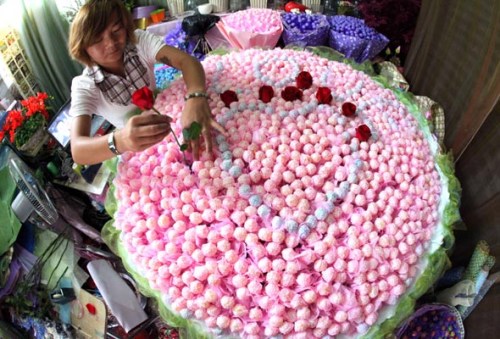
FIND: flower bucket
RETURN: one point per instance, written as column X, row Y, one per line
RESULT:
column 35, row 143
column 176, row 7
column 219, row 6
column 158, row 15
column 142, row 12
column 314, row 5
column 258, row 3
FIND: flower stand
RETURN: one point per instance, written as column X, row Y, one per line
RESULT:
column 33, row 146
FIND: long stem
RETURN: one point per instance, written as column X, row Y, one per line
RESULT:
column 178, row 143
column 175, row 137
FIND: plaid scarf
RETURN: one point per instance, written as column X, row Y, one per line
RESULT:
column 117, row 89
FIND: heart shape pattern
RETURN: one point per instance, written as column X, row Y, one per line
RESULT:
column 297, row 227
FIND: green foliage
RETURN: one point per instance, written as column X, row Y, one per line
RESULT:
column 31, row 296
column 129, row 4
column 30, row 300
column 26, row 131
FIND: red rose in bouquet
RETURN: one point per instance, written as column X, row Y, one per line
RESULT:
column 228, row 97
column 348, row 109
column 324, row 95
column 291, row 93
column 266, row 93
column 304, row 80
column 363, row 133
column 292, row 5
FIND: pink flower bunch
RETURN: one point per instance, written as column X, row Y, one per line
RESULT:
column 255, row 20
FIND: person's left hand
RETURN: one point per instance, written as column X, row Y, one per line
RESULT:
column 197, row 109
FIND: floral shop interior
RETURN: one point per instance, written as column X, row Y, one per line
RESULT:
column 313, row 169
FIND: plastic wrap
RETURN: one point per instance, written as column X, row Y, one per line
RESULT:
column 434, row 320
column 353, row 38
column 305, row 29
column 252, row 28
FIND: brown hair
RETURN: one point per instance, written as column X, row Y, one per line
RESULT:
column 90, row 21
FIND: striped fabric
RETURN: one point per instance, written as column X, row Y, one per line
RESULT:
column 116, row 88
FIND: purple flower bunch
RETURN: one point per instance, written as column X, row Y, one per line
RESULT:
column 352, row 26
column 353, row 38
column 305, row 29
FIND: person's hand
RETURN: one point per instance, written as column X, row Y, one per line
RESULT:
column 142, row 131
column 197, row 109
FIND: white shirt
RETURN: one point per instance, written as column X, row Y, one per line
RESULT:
column 87, row 98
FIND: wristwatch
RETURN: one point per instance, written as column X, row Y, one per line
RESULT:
column 111, row 143
column 195, row 95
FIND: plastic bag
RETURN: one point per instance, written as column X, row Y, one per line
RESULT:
column 199, row 24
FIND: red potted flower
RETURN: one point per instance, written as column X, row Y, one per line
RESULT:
column 25, row 127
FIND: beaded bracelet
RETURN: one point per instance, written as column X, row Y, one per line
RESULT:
column 195, row 95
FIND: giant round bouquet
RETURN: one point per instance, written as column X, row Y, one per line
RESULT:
column 323, row 213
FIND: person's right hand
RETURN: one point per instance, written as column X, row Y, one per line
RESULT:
column 142, row 131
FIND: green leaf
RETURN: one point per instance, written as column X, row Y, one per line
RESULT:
column 192, row 132
column 184, row 147
column 195, row 130
column 185, row 134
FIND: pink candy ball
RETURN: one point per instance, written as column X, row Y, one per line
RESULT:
column 236, row 325
column 309, row 296
column 254, row 287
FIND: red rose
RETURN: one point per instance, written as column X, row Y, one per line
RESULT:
column 143, row 98
column 363, row 133
column 291, row 93
column 266, row 93
column 228, row 97
column 324, row 95
column 348, row 109
column 304, row 80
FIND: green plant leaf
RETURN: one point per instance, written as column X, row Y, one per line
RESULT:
column 30, row 126
column 184, row 147
column 192, row 132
